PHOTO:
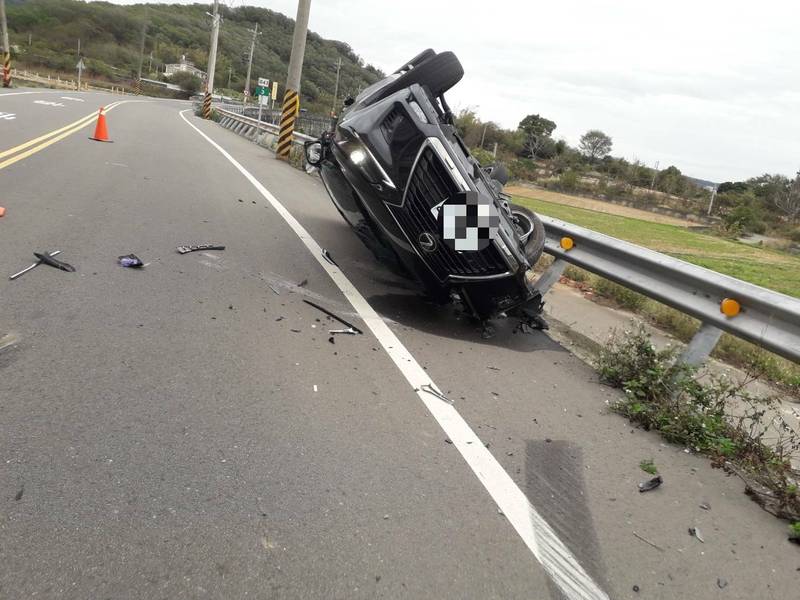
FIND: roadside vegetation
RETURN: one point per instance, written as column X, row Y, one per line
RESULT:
column 712, row 415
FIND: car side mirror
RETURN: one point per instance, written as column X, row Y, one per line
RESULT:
column 313, row 152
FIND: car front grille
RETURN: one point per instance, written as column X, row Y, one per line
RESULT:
column 428, row 186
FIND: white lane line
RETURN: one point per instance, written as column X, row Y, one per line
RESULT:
column 2, row 94
column 7, row 116
column 537, row 534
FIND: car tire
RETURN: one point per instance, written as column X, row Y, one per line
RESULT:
column 437, row 73
column 534, row 245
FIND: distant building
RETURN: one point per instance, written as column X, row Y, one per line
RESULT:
column 185, row 67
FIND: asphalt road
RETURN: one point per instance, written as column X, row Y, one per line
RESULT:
column 188, row 431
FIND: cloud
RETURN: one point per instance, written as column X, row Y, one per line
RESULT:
column 710, row 86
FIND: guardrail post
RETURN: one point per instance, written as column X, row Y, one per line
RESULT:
column 550, row 276
column 702, row 345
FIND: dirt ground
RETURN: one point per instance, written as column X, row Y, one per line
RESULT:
column 596, row 205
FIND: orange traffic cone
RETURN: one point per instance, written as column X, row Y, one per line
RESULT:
column 101, row 131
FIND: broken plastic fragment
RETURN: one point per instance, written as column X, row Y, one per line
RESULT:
column 130, row 260
column 651, row 484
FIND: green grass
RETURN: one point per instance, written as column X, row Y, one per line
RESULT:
column 767, row 268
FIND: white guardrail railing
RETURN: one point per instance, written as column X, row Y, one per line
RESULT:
column 250, row 127
column 721, row 303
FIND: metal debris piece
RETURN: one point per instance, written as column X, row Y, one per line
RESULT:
column 695, row 532
column 348, row 331
column 47, row 259
column 187, row 249
column 277, row 293
column 130, row 260
column 705, row 506
column 650, row 484
column 327, row 256
column 646, row 541
column 427, row 387
column 333, row 316
column 33, row 266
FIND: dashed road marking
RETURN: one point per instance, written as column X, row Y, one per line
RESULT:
column 47, row 103
column 7, row 116
column 557, row 560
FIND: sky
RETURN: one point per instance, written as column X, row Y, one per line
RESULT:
column 710, row 86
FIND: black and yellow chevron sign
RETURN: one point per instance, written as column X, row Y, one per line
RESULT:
column 207, row 106
column 7, row 69
column 291, row 106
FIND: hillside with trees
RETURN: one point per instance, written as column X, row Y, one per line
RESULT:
column 44, row 37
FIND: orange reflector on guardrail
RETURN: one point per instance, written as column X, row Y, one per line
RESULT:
column 729, row 307
column 567, row 243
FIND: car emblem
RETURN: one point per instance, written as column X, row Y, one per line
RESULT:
column 427, row 242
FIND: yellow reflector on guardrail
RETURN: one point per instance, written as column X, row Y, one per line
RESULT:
column 567, row 243
column 729, row 307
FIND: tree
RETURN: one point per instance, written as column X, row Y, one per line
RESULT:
column 787, row 200
column 595, row 144
column 189, row 83
column 537, row 131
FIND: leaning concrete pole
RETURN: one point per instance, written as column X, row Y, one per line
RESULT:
column 212, row 62
column 6, row 47
column 291, row 98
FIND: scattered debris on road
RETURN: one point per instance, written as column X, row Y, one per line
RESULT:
column 636, row 588
column 722, row 583
column 650, row 484
column 21, row 491
column 187, row 249
column 427, row 387
column 303, row 283
column 2, row 211
column 695, row 532
column 648, row 466
column 46, row 259
column 131, row 261
column 348, row 331
column 277, row 293
column 333, row 316
column 646, row 541
column 705, row 506
column 332, row 340
column 327, row 256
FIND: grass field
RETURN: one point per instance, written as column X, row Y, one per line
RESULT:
column 767, row 268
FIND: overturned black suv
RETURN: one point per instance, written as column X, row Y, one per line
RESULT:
column 400, row 175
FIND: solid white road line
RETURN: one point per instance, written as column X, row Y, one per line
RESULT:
column 537, row 534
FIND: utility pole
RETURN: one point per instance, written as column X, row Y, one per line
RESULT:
column 230, row 72
column 212, row 61
column 150, row 64
column 80, row 64
column 711, row 203
column 6, row 46
column 291, row 98
column 336, row 88
column 655, row 172
column 141, row 46
column 483, row 135
column 250, row 64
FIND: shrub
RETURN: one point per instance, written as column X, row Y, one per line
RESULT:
column 568, row 180
column 718, row 417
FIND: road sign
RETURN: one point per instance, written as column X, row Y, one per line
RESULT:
column 274, row 90
column 246, row 93
column 263, row 82
column 80, row 66
column 262, row 88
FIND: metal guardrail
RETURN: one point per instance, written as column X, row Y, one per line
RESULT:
column 766, row 318
column 247, row 126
